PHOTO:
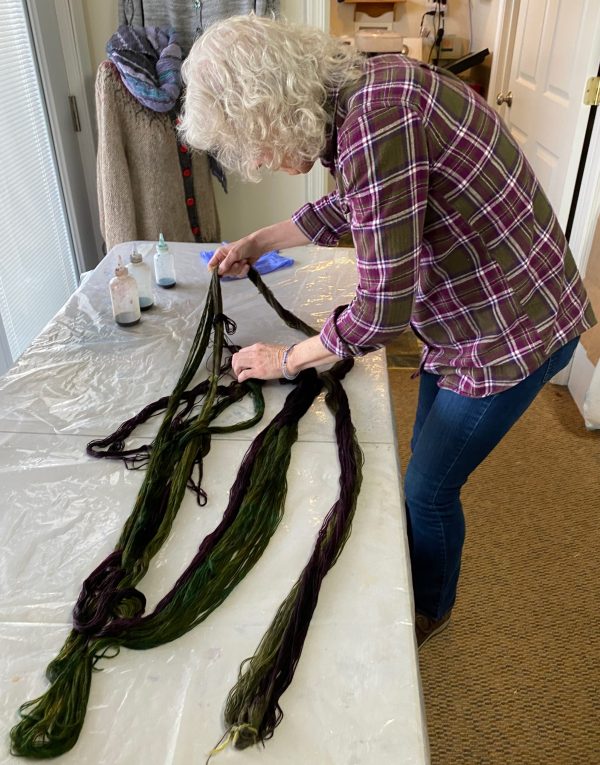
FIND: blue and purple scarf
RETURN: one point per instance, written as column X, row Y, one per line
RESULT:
column 149, row 62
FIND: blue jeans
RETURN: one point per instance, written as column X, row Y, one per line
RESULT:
column 452, row 435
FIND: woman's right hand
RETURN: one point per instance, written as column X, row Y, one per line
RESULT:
column 235, row 258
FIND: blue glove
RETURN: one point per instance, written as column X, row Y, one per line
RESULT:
column 270, row 261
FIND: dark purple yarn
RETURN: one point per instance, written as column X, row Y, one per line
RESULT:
column 297, row 403
column 100, row 596
column 325, row 553
column 329, row 545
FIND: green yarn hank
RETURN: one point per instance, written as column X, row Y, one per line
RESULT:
column 51, row 724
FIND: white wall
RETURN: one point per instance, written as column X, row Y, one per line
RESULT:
column 101, row 22
column 249, row 206
column 484, row 15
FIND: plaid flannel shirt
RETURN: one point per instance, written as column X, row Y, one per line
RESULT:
column 453, row 233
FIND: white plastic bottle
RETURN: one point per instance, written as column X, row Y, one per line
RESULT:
column 124, row 297
column 142, row 273
column 164, row 265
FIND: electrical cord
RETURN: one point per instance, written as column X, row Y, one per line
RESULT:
column 439, row 33
column 427, row 13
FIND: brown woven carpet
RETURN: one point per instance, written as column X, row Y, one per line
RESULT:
column 515, row 679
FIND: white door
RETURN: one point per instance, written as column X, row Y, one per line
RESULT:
column 585, row 241
column 556, row 48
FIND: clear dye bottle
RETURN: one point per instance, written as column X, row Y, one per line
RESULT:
column 164, row 265
column 142, row 273
column 124, row 297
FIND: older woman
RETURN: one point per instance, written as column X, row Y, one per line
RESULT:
column 454, row 237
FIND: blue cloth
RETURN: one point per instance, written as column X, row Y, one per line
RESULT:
column 452, row 435
column 270, row 261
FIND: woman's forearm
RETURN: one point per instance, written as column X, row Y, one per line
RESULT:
column 279, row 236
column 309, row 353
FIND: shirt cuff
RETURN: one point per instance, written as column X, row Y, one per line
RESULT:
column 321, row 223
column 334, row 342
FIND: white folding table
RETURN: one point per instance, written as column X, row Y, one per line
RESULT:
column 355, row 698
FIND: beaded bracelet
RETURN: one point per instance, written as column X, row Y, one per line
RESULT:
column 284, row 370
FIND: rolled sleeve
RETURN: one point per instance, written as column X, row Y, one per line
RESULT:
column 385, row 168
column 333, row 336
column 324, row 221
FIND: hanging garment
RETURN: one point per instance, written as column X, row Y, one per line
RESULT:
column 149, row 62
column 189, row 16
column 141, row 183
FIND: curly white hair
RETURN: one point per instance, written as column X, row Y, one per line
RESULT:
column 257, row 92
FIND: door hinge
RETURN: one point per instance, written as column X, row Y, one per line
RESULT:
column 591, row 97
column 74, row 114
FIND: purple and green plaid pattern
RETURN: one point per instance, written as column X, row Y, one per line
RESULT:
column 453, row 232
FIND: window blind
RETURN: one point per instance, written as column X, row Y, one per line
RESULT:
column 37, row 266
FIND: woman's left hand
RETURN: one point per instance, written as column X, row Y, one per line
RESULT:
column 259, row 361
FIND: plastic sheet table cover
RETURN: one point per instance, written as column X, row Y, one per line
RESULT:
column 355, row 698
column 84, row 373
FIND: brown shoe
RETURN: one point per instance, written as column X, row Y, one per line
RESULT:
column 426, row 628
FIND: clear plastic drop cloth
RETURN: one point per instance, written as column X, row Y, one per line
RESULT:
column 355, row 698
column 85, row 374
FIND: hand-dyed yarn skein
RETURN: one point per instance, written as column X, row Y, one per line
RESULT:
column 252, row 709
column 113, row 446
column 51, row 723
column 109, row 602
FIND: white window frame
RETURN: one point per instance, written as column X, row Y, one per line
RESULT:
column 58, row 30
column 6, row 359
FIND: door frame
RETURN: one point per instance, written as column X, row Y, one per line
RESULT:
column 63, row 71
column 316, row 14
column 580, row 371
column 588, row 203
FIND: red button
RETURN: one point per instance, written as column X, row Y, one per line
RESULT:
column 187, row 172
column 195, row 230
column 183, row 149
column 190, row 201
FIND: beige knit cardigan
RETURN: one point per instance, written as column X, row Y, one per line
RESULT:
column 140, row 185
